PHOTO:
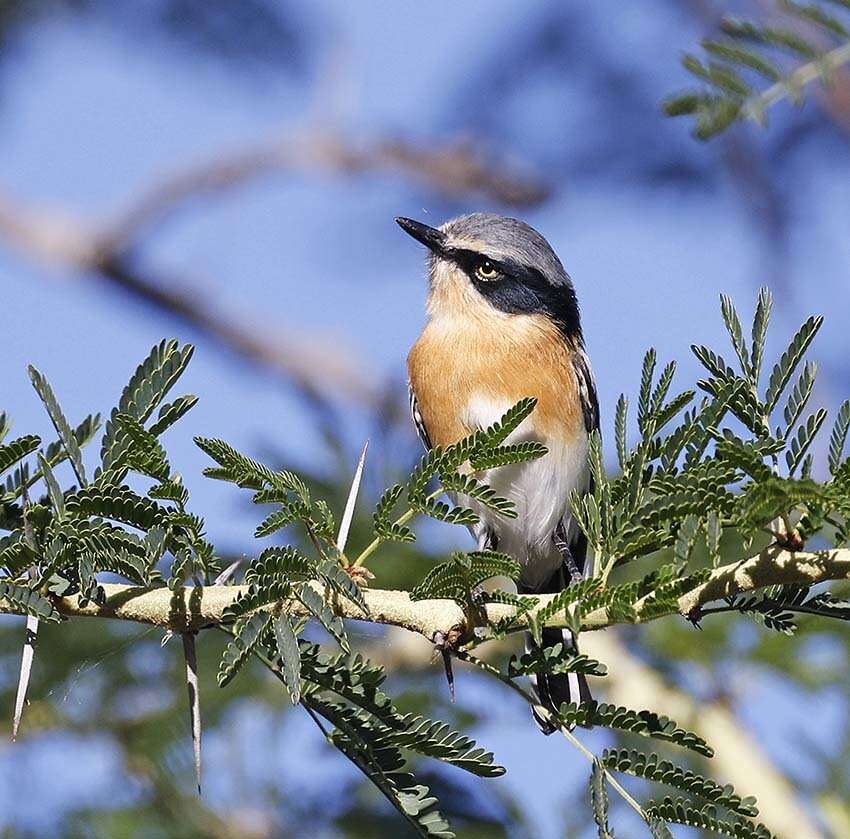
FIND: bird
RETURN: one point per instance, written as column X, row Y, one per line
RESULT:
column 503, row 323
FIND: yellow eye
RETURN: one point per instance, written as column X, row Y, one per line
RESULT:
column 486, row 270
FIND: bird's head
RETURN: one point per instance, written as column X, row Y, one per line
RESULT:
column 482, row 264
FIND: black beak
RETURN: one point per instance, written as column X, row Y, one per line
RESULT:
column 432, row 238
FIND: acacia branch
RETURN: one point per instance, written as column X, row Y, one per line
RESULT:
column 191, row 609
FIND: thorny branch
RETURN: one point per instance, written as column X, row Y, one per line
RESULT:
column 191, row 609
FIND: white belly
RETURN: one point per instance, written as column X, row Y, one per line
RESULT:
column 540, row 490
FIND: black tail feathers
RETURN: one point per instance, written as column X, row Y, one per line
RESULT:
column 554, row 689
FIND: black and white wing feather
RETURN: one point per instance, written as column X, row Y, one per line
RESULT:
column 417, row 419
column 586, row 391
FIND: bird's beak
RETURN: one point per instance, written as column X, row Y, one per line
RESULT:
column 433, row 239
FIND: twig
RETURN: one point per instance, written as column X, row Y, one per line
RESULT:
column 556, row 724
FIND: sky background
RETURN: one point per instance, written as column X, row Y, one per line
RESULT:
column 651, row 225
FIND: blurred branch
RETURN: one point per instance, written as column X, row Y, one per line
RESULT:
column 452, row 169
column 191, row 609
column 111, row 251
column 737, row 760
column 59, row 240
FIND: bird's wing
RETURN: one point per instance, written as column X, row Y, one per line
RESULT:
column 568, row 531
column 417, row 418
column 586, row 391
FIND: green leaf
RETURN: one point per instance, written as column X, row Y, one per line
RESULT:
column 279, row 519
column 731, row 52
column 620, row 429
column 148, row 386
column 681, row 811
column 468, row 486
column 803, row 439
column 436, row 739
column 778, row 37
column 761, row 321
column 497, row 433
column 686, row 539
column 646, row 723
column 457, row 578
column 380, row 764
column 320, row 610
column 785, row 367
column 657, row 827
column 117, row 503
column 714, row 363
column 29, row 602
column 554, row 659
column 287, row 648
column 172, row 490
column 578, row 592
column 652, row 768
column 441, row 511
column 247, row 634
column 599, row 800
column 235, row 467
column 18, row 449
column 659, row 394
column 57, row 499
column 506, row 455
column 748, row 456
column 799, row 396
column 816, row 15
column 55, row 454
column 839, row 436
column 647, row 372
column 386, row 505
column 762, row 502
column 336, row 577
column 69, row 441
column 713, row 533
column 143, row 452
column 280, row 563
column 171, row 412
column 666, row 412
column 736, row 333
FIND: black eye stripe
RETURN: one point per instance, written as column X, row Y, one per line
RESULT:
column 470, row 260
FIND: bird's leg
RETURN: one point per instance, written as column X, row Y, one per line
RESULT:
column 559, row 537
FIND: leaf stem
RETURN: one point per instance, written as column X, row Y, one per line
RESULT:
column 494, row 671
column 404, row 518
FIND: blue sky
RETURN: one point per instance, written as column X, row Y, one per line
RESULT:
column 88, row 117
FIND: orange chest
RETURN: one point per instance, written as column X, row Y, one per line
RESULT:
column 459, row 360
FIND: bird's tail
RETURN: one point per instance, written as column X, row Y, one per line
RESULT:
column 553, row 689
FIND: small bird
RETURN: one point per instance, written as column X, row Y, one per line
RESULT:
column 503, row 324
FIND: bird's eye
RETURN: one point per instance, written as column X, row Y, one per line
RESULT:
column 486, row 270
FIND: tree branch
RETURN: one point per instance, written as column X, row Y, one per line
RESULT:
column 191, row 609
column 112, row 250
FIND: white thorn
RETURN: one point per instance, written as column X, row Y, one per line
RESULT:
column 194, row 700
column 26, row 669
column 228, row 572
column 348, row 513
